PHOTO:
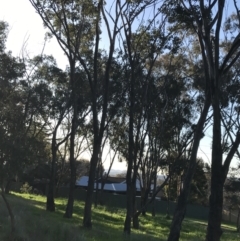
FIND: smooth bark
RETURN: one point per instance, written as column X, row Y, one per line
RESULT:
column 87, row 220
column 214, row 231
column 51, row 187
column 69, row 208
column 180, row 210
column 144, row 198
column 218, row 177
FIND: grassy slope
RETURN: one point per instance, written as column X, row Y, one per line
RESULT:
column 34, row 223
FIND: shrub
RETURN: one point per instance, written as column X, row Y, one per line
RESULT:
column 26, row 188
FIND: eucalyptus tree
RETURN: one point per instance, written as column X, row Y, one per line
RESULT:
column 77, row 27
column 204, row 20
column 43, row 69
column 11, row 118
column 170, row 117
column 70, row 22
column 142, row 46
column 22, row 139
column 12, row 108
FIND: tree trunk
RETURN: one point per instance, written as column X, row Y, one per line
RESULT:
column 153, row 208
column 97, row 177
column 7, row 187
column 168, row 198
column 154, row 190
column 51, row 188
column 135, row 219
column 97, row 186
column 127, row 223
column 105, row 177
column 182, row 200
column 144, row 198
column 12, row 219
column 60, row 177
column 87, row 220
column 214, row 231
column 103, row 181
column 69, row 208
column 238, row 221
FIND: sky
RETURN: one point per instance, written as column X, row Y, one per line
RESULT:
column 26, row 32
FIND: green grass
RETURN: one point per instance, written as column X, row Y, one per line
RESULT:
column 35, row 224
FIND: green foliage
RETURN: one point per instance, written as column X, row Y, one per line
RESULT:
column 232, row 193
column 150, row 89
column 199, row 186
column 26, row 188
column 23, row 108
column 69, row 20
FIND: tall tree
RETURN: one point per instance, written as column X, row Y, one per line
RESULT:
column 142, row 47
column 58, row 105
column 22, row 140
column 204, row 21
column 70, row 22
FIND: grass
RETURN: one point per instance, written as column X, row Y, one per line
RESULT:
column 35, row 224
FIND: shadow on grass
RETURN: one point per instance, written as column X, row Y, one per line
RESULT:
column 34, row 223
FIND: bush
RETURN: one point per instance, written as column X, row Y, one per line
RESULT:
column 26, row 188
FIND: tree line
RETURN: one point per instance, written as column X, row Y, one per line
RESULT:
column 168, row 74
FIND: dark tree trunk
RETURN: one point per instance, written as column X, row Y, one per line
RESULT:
column 50, row 206
column 214, row 231
column 60, row 177
column 144, row 198
column 130, row 184
column 168, row 198
column 135, row 219
column 87, row 220
column 69, row 208
column 154, row 190
column 130, row 190
column 97, row 186
column 153, row 208
column 97, row 177
column 238, row 221
column 127, row 223
column 218, row 177
column 7, row 186
column 105, row 177
column 182, row 200
column 103, row 181
column 12, row 219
